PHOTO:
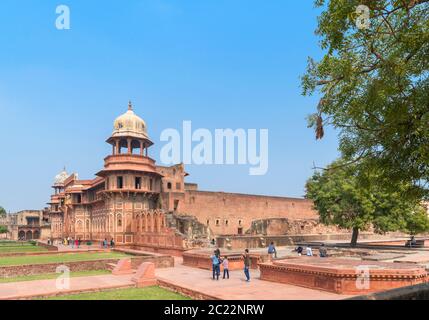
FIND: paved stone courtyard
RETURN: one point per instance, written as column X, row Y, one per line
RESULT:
column 197, row 280
column 199, row 283
column 236, row 288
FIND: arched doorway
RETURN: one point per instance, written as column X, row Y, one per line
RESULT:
column 21, row 235
column 36, row 234
column 29, row 235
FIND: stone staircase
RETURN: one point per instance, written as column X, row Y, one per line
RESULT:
column 144, row 276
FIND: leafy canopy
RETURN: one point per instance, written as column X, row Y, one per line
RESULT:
column 344, row 199
column 374, row 87
column 3, row 229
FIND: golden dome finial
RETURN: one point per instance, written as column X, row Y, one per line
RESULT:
column 130, row 105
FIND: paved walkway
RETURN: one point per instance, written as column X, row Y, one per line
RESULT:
column 236, row 288
column 28, row 289
column 191, row 278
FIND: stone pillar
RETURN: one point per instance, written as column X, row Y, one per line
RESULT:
column 129, row 146
column 152, row 222
column 118, row 149
column 141, row 148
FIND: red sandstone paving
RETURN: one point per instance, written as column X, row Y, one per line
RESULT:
column 195, row 279
column 48, row 287
column 191, row 278
column 236, row 288
column 418, row 258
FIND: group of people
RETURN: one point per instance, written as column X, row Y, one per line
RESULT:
column 323, row 253
column 72, row 242
column 217, row 261
column 76, row 243
column 105, row 243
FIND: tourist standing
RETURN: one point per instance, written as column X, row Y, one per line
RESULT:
column 72, row 243
column 323, row 252
column 217, row 252
column 215, row 266
column 246, row 258
column 309, row 251
column 413, row 241
column 225, row 264
column 105, row 243
column 112, row 243
column 272, row 250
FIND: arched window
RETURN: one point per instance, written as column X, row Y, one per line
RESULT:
column 155, row 222
column 79, row 226
column 111, row 220
column 144, row 217
column 119, row 221
column 137, row 224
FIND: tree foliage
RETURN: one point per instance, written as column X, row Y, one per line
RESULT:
column 344, row 199
column 374, row 87
column 2, row 212
column 3, row 229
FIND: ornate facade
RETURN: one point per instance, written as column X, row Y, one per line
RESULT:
column 134, row 201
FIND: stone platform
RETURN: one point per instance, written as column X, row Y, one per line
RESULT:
column 342, row 276
column 198, row 284
column 201, row 259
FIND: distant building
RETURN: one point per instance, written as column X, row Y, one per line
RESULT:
column 27, row 225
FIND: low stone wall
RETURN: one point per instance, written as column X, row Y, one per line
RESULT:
column 417, row 292
column 47, row 246
column 202, row 260
column 43, row 253
column 185, row 291
column 342, row 276
column 177, row 252
column 33, row 269
column 260, row 241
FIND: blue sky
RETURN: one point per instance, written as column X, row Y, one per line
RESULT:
column 221, row 64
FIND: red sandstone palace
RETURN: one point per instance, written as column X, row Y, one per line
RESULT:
column 134, row 201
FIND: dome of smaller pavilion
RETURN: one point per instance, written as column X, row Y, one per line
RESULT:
column 61, row 178
column 130, row 125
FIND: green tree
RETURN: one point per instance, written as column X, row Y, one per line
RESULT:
column 416, row 222
column 2, row 212
column 3, row 229
column 374, row 86
column 344, row 199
